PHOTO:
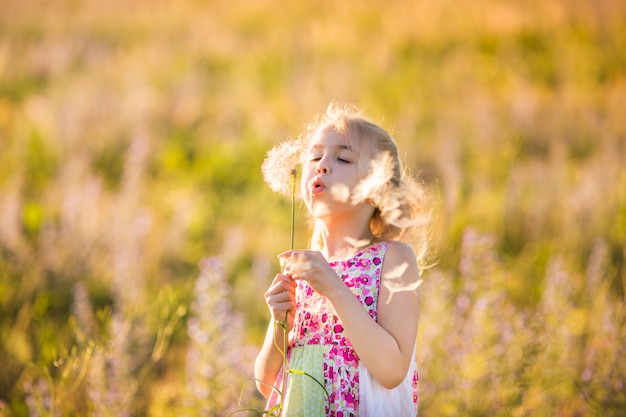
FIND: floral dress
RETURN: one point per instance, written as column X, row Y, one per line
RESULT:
column 324, row 370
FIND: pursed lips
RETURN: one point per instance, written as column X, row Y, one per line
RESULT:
column 317, row 186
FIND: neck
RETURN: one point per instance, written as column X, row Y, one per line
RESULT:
column 342, row 239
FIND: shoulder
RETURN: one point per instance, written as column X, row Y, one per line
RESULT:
column 399, row 250
column 400, row 261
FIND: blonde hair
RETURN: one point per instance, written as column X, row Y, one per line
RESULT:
column 400, row 202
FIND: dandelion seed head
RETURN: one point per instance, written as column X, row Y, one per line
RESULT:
column 281, row 164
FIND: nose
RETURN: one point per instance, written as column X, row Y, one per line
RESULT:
column 322, row 167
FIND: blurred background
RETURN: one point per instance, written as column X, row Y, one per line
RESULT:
column 137, row 236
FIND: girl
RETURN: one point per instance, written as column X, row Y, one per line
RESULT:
column 350, row 305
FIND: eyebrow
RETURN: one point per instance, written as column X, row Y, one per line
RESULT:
column 339, row 147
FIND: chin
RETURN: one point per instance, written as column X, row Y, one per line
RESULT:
column 320, row 212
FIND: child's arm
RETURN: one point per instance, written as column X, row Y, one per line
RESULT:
column 281, row 301
column 385, row 347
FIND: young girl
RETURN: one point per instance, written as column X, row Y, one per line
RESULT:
column 350, row 304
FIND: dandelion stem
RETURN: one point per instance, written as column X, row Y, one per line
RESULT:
column 284, row 381
column 284, row 323
column 293, row 205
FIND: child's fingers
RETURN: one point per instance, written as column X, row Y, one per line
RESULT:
column 285, row 260
column 285, row 254
column 282, row 278
column 291, row 257
column 281, row 284
column 280, row 299
column 284, row 282
column 294, row 262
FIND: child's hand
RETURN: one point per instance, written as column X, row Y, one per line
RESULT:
column 312, row 267
column 281, row 299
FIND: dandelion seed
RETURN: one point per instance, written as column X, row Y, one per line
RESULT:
column 340, row 192
column 394, row 284
column 281, row 164
column 374, row 185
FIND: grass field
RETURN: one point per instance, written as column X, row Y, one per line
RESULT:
column 137, row 235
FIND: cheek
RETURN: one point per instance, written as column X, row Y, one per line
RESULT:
column 308, row 172
column 304, row 179
column 341, row 192
column 303, row 186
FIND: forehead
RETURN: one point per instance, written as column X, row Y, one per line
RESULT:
column 327, row 137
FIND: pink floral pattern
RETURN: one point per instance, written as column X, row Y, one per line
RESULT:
column 316, row 323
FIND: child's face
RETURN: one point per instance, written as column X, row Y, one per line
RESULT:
column 330, row 172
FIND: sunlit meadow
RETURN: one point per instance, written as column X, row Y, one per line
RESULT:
column 137, row 235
